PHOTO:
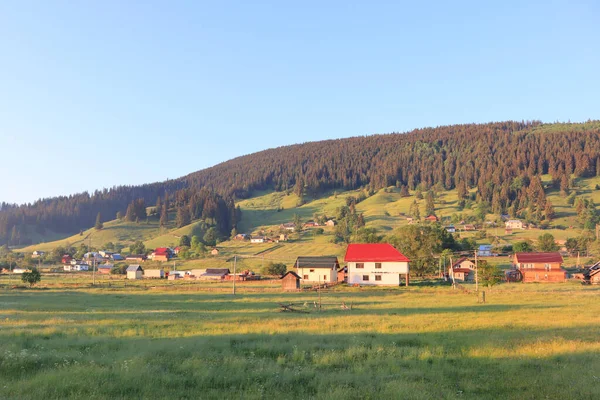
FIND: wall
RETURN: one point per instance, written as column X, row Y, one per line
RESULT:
column 322, row 275
column 389, row 272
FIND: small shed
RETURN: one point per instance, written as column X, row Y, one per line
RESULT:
column 135, row 272
column 154, row 273
column 214, row 252
column 290, row 281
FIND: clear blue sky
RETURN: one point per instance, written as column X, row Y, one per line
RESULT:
column 96, row 94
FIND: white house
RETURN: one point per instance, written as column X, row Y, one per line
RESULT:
column 376, row 264
column 258, row 239
column 514, row 224
column 317, row 269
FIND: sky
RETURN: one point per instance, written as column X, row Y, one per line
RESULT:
column 101, row 93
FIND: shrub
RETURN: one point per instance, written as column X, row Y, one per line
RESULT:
column 276, row 269
column 32, row 277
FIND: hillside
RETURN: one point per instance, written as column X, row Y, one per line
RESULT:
column 485, row 157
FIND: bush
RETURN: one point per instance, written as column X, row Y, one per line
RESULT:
column 119, row 269
column 276, row 269
column 32, row 277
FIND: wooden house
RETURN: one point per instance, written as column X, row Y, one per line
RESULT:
column 318, row 269
column 343, row 274
column 290, row 281
column 104, row 268
column 376, row 264
column 540, row 267
column 592, row 274
column 462, row 270
column 135, row 272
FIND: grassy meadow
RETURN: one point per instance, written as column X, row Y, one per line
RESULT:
column 421, row 342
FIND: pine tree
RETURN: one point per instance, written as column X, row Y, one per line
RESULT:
column 164, row 216
column 549, row 211
column 99, row 225
column 183, row 216
column 404, row 191
column 429, row 204
column 414, row 210
column 461, row 188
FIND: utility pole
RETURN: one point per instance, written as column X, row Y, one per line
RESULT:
column 234, row 268
column 93, row 262
column 452, row 270
column 577, row 260
column 476, row 274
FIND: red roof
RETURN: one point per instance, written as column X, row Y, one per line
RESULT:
column 161, row 251
column 531, row 258
column 378, row 252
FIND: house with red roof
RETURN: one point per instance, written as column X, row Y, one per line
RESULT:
column 376, row 264
column 162, row 254
column 462, row 270
column 540, row 267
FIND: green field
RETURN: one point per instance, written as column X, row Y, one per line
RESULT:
column 181, row 340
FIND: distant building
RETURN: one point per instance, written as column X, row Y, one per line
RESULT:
column 116, row 257
column 135, row 272
column 162, row 254
column 214, row 252
column 432, row 218
column 215, row 274
column 288, row 226
column 485, row 250
column 540, row 267
column 514, row 224
column 136, row 258
column 468, row 227
column 104, row 268
column 66, row 259
column 258, row 239
column 450, row 229
column 376, row 264
column 290, row 281
column 330, row 222
column 462, row 270
column 154, row 273
column 317, row 269
column 37, row 254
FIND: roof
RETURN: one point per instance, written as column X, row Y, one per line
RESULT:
column 216, row 271
column 317, row 262
column 134, row 268
column 162, row 251
column 136, row 256
column 485, row 247
column 373, row 252
column 460, row 261
column 104, row 266
column 539, row 257
column 291, row 273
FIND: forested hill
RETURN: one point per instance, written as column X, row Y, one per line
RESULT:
column 487, row 156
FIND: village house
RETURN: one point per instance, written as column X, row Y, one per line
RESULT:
column 462, row 270
column 214, row 274
column 283, row 237
column 105, row 254
column 136, row 258
column 258, row 239
column 540, row 267
column 116, row 257
column 311, row 224
column 468, row 227
column 514, row 224
column 592, row 274
column 37, row 254
column 288, row 226
column 135, row 272
column 485, row 250
column 162, row 254
column 318, row 269
column 214, row 252
column 241, row 236
column 290, row 281
column 330, row 222
column 376, row 264
column 450, row 229
column 432, row 218
column 66, row 259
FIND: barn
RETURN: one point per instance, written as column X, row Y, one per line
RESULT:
column 154, row 273
column 290, row 281
column 135, row 272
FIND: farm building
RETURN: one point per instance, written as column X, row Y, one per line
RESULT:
column 431, row 218
column 342, row 274
column 330, row 223
column 214, row 274
column 540, row 267
column 485, row 250
column 214, row 252
column 514, row 224
column 136, row 258
column 376, row 264
column 462, row 270
column 104, row 268
column 154, row 273
column 162, row 254
column 135, row 272
column 318, row 269
column 198, row 272
column 592, row 274
column 290, row 281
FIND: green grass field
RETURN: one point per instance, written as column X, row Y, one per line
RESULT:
column 199, row 341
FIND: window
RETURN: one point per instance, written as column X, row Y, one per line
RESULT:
column 360, row 265
column 312, row 270
column 365, row 277
column 548, row 267
column 377, row 277
column 378, row 265
column 324, row 277
column 305, row 277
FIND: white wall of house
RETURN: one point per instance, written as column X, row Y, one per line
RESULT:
column 316, row 275
column 387, row 275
